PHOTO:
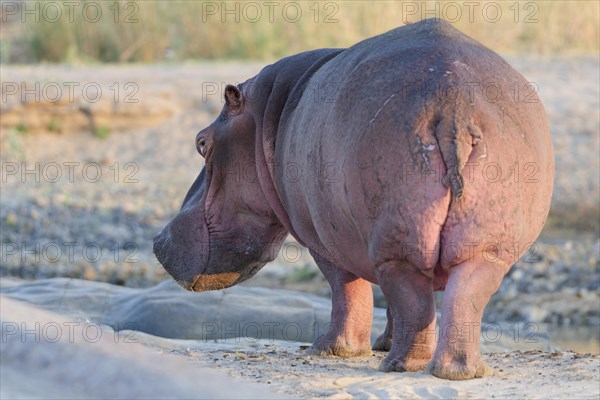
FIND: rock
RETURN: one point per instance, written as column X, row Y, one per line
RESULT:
column 169, row 311
column 45, row 355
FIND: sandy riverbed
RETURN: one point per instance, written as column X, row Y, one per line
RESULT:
column 72, row 342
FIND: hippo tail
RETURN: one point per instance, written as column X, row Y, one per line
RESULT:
column 456, row 138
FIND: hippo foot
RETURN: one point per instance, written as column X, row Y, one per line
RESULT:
column 383, row 342
column 456, row 370
column 339, row 346
column 397, row 364
column 403, row 358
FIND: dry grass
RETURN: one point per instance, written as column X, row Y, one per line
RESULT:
column 188, row 30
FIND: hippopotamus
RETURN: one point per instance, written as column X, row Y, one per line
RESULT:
column 418, row 160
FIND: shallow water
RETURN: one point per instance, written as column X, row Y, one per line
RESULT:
column 581, row 339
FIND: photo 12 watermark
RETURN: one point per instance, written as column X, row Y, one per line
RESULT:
column 292, row 12
column 517, row 333
column 68, row 252
column 471, row 11
column 67, row 331
column 442, row 86
column 74, row 172
column 71, row 11
column 68, row 92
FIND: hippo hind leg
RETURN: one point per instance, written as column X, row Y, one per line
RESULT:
column 384, row 341
column 409, row 294
column 470, row 286
column 349, row 334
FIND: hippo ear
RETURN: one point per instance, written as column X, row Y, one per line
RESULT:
column 233, row 97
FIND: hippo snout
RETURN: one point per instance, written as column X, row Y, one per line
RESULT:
column 162, row 248
column 183, row 262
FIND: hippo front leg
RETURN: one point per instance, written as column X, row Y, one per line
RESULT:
column 349, row 334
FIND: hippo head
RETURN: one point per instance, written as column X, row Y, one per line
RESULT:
column 225, row 231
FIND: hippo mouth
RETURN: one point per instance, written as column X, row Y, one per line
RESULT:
column 222, row 280
column 214, row 282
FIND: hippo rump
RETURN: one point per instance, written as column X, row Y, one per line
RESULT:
column 418, row 160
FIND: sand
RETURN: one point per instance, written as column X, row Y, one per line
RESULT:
column 42, row 356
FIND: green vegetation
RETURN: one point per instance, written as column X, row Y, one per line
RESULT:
column 21, row 128
column 148, row 31
column 306, row 273
column 239, row 356
column 15, row 144
column 54, row 126
column 102, row 132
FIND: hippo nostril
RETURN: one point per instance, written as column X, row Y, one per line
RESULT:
column 252, row 271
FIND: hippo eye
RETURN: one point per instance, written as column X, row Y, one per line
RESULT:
column 202, row 147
